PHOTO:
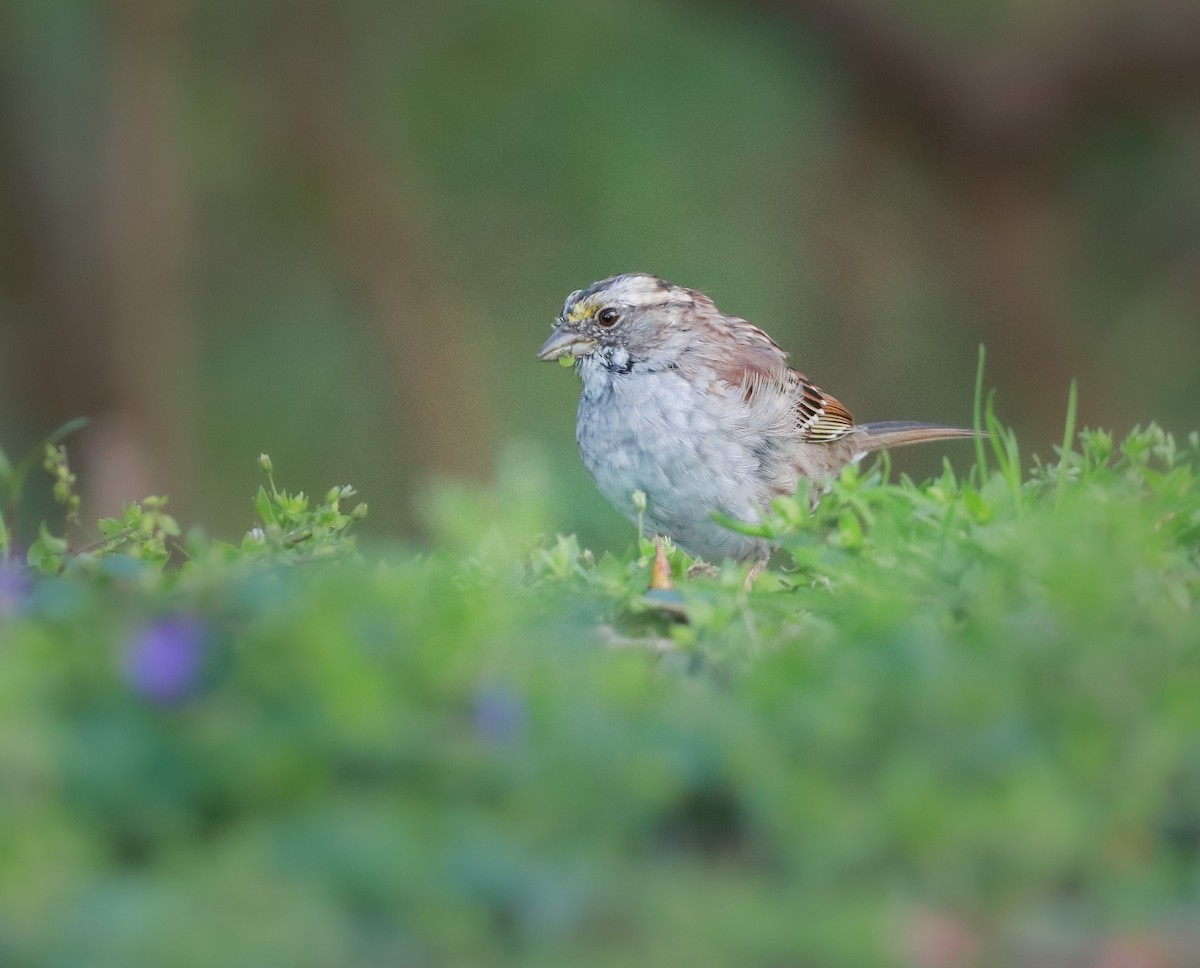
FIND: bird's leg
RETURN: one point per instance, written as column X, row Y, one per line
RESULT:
column 755, row 570
column 661, row 594
column 660, row 571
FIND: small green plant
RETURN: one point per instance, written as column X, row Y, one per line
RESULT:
column 967, row 702
column 13, row 478
column 288, row 529
column 292, row 530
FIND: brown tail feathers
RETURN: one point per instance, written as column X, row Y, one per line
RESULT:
column 898, row 433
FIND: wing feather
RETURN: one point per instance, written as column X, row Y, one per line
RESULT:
column 820, row 417
column 752, row 364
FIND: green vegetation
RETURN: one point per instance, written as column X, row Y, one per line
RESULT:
column 963, row 724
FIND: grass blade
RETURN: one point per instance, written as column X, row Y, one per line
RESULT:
column 977, row 418
column 1068, row 440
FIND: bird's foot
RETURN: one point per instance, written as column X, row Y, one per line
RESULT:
column 660, row 570
column 755, row 570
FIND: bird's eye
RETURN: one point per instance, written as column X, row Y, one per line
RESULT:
column 607, row 316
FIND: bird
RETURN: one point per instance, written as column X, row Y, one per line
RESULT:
column 701, row 413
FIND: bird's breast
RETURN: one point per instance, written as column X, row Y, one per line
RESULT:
column 685, row 448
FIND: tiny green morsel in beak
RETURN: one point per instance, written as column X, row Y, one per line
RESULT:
column 565, row 341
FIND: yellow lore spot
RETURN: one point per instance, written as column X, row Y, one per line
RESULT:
column 582, row 310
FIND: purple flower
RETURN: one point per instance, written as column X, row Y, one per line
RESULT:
column 14, row 587
column 165, row 657
column 499, row 714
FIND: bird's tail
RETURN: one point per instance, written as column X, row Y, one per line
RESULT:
column 898, row 433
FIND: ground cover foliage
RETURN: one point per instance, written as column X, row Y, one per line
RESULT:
column 956, row 723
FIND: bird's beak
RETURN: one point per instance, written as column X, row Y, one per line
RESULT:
column 565, row 341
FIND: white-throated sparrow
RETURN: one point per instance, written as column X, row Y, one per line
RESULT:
column 701, row 411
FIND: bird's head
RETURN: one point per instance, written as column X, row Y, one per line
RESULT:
column 623, row 318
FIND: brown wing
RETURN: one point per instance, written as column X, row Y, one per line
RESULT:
column 750, row 363
column 820, row 418
column 745, row 359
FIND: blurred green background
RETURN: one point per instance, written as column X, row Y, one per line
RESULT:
column 338, row 232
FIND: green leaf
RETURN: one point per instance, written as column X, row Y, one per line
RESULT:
column 110, row 527
column 263, row 507
column 850, row 531
column 294, row 504
column 46, row 553
column 65, row 430
column 979, row 509
column 14, row 478
column 742, row 527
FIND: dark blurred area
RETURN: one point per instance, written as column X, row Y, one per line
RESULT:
column 338, row 232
